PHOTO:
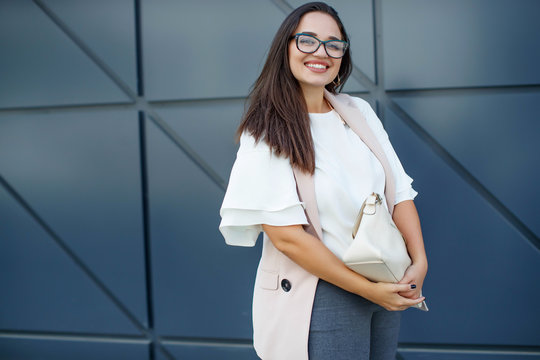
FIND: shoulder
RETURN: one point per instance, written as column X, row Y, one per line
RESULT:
column 369, row 114
column 353, row 101
column 248, row 144
column 365, row 108
column 362, row 105
column 258, row 152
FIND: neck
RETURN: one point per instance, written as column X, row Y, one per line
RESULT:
column 314, row 98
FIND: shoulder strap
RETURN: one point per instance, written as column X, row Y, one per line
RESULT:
column 355, row 119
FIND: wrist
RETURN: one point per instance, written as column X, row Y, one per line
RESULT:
column 364, row 287
column 420, row 262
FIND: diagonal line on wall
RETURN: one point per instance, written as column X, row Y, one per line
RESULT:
column 465, row 174
column 384, row 99
column 141, row 102
column 283, row 6
column 87, row 50
column 378, row 92
column 188, row 150
column 72, row 255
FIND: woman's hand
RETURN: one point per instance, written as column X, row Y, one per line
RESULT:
column 414, row 274
column 388, row 296
column 406, row 218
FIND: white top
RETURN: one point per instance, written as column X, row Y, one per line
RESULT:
column 262, row 189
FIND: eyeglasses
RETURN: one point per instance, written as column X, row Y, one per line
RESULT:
column 309, row 44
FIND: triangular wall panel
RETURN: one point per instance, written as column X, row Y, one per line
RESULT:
column 44, row 289
column 202, row 287
column 80, row 171
column 40, row 65
column 494, row 136
column 477, row 261
column 107, row 28
column 209, row 129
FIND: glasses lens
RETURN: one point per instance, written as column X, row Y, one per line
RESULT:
column 336, row 48
column 306, row 43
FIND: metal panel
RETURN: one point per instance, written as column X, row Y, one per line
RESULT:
column 209, row 128
column 461, row 43
column 79, row 168
column 495, row 137
column 81, row 172
column 67, row 349
column 352, row 85
column 205, row 49
column 209, row 351
column 202, row 287
column 40, row 65
column 44, row 289
column 107, row 28
column 478, row 262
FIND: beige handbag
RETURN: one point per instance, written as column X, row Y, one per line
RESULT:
column 378, row 251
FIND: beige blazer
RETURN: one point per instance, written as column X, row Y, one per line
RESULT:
column 284, row 292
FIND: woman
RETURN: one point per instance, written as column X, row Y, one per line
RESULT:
column 307, row 303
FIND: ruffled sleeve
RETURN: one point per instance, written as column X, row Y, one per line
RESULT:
column 261, row 190
column 404, row 189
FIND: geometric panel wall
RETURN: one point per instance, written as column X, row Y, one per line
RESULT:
column 42, row 66
column 462, row 43
column 468, row 244
column 117, row 124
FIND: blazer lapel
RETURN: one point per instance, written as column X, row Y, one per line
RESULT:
column 356, row 121
column 306, row 191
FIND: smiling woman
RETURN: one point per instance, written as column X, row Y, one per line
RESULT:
column 308, row 158
column 312, row 64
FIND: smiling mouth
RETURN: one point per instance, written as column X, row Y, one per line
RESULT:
column 316, row 66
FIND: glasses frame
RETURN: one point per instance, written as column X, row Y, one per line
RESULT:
column 296, row 36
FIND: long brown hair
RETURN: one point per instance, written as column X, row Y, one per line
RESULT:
column 277, row 112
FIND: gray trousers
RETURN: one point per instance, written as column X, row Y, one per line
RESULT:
column 347, row 326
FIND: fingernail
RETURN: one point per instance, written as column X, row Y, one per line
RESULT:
column 413, row 286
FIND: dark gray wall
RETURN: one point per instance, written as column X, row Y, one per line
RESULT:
column 116, row 142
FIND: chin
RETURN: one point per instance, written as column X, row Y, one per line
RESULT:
column 315, row 83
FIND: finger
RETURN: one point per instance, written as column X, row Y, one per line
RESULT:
column 414, row 302
column 409, row 294
column 404, row 287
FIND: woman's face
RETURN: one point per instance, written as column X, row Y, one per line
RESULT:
column 316, row 69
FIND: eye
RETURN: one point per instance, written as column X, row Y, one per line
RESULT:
column 306, row 40
column 334, row 45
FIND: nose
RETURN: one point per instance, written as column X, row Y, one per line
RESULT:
column 321, row 51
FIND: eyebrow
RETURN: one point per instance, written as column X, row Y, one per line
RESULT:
column 315, row 34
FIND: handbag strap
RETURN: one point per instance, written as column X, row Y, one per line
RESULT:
column 356, row 120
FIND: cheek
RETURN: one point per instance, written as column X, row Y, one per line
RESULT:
column 295, row 60
column 337, row 66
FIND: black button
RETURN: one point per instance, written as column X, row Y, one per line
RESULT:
column 286, row 285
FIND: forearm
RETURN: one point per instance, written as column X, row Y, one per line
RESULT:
column 406, row 219
column 312, row 255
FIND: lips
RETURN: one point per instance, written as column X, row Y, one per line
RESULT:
column 316, row 66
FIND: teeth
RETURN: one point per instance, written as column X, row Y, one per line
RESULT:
column 316, row 66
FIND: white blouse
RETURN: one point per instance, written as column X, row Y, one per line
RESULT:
column 262, row 189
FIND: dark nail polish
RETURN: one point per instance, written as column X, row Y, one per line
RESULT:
column 413, row 286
